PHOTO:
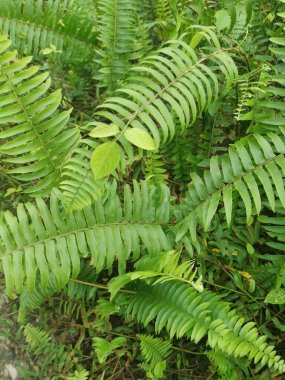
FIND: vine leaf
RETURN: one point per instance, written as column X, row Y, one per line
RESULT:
column 140, row 138
column 104, row 131
column 105, row 159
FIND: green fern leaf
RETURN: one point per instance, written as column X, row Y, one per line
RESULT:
column 170, row 84
column 178, row 308
column 42, row 240
column 250, row 170
column 34, row 139
column 77, row 181
column 37, row 24
column 154, row 350
column 119, row 21
column 104, row 348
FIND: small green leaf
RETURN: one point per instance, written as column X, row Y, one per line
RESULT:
column 223, row 19
column 104, row 130
column 140, row 138
column 105, row 159
column 276, row 297
column 250, row 248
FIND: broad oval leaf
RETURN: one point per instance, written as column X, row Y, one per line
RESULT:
column 223, row 19
column 140, row 138
column 276, row 297
column 105, row 159
column 104, row 130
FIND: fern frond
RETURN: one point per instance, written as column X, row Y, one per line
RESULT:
column 82, row 374
column 54, row 355
column 34, row 138
column 153, row 168
column 163, row 267
column 118, row 24
column 30, row 301
column 77, row 181
column 274, row 228
column 42, row 240
column 173, row 83
column 37, row 24
column 250, row 171
column 154, row 350
column 178, row 308
column 104, row 348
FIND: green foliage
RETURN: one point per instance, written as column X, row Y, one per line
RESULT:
column 33, row 131
column 174, row 83
column 178, row 308
column 104, row 348
column 42, row 240
column 175, row 268
column 37, row 25
column 154, row 352
column 118, row 22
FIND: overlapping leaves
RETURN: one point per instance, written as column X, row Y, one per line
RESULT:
column 42, row 240
column 34, row 139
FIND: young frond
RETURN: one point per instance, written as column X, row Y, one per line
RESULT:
column 44, row 240
column 182, row 312
column 251, row 170
column 154, row 350
column 54, row 355
column 104, row 348
column 34, row 140
column 173, row 83
column 82, row 374
column 38, row 24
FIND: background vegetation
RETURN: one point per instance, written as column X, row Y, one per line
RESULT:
column 142, row 168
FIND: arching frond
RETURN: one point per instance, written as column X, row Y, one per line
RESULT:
column 182, row 312
column 34, row 139
column 42, row 240
column 175, row 83
column 250, row 171
column 37, row 24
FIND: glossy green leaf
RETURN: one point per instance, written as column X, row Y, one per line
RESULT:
column 140, row 138
column 105, row 159
column 104, row 130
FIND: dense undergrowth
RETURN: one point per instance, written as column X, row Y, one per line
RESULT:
column 142, row 153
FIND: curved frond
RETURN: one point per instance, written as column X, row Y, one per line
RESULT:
column 34, row 139
column 42, row 240
column 174, row 83
column 182, row 312
column 251, row 170
column 37, row 24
